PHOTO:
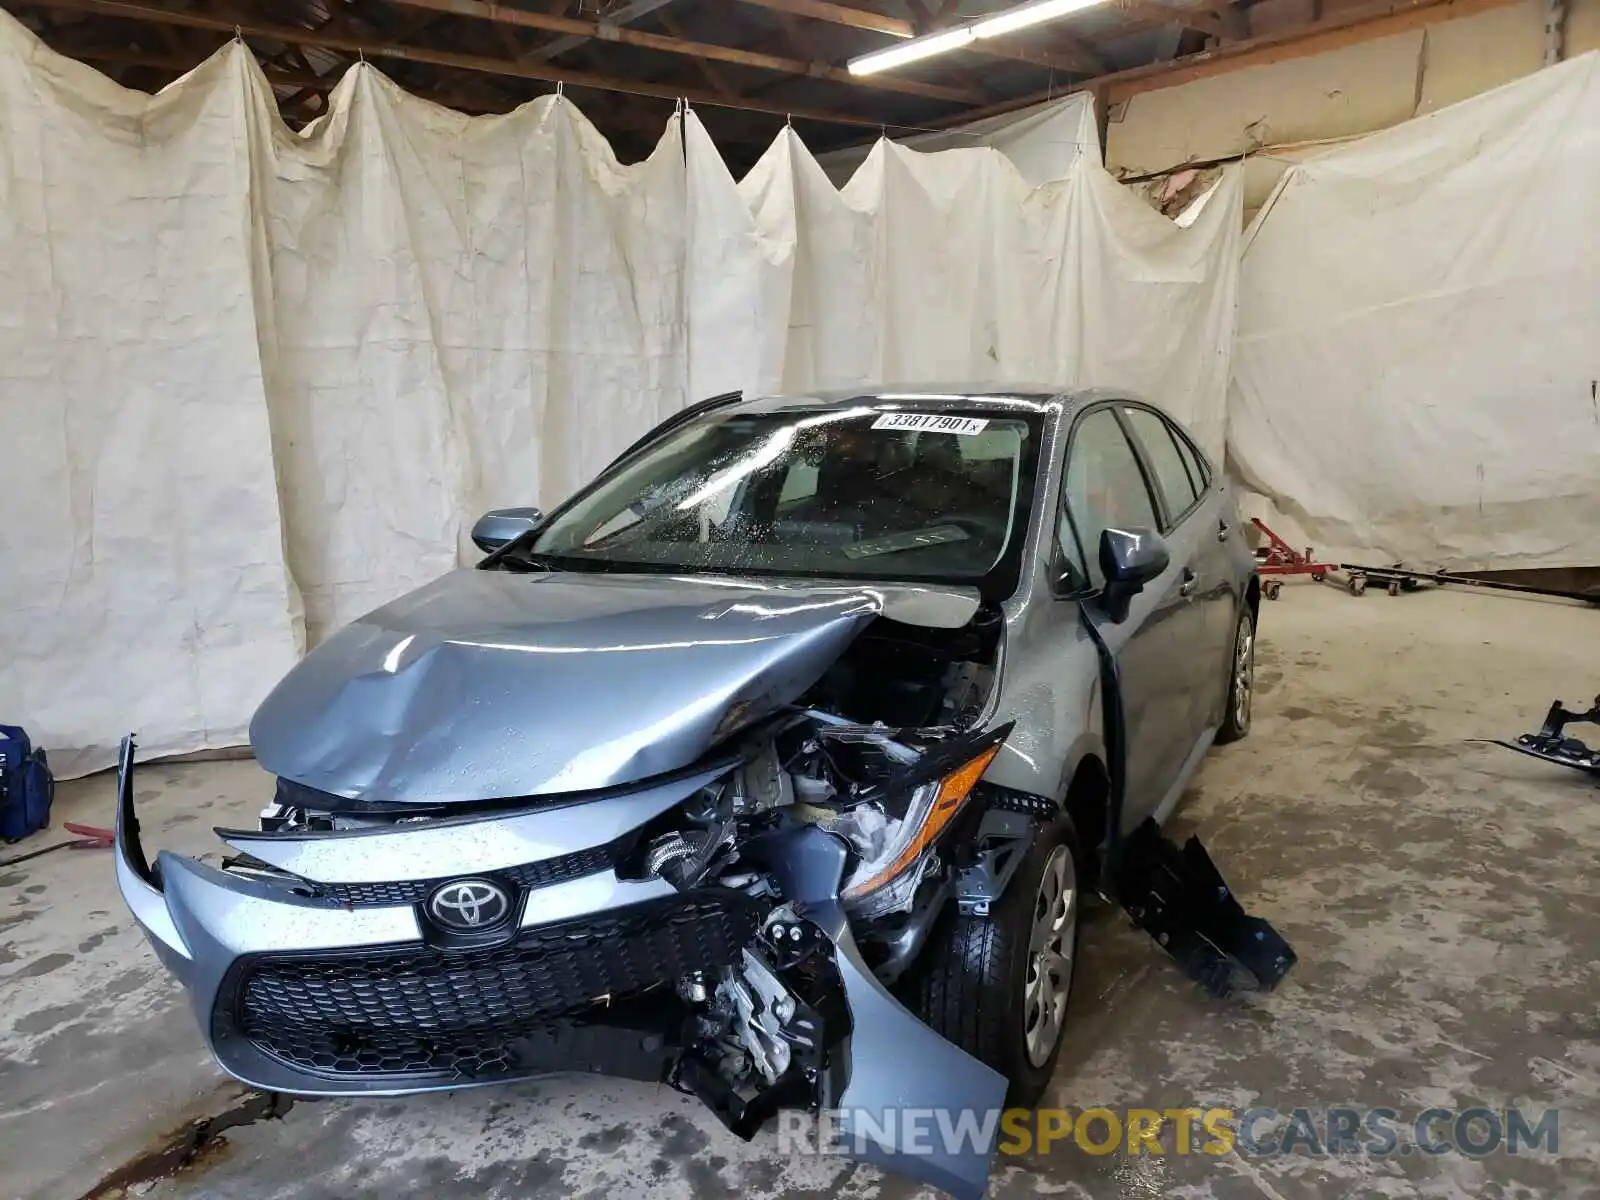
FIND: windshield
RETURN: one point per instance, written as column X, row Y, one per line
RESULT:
column 857, row 492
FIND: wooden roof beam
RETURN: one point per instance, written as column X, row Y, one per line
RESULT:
column 1158, row 14
column 841, row 14
column 625, row 15
column 1346, row 27
column 713, row 77
column 704, row 51
column 311, row 82
column 379, row 48
column 1012, row 49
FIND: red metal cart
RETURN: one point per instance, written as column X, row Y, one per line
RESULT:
column 1277, row 557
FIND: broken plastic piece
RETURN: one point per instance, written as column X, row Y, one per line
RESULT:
column 1553, row 745
column 1179, row 898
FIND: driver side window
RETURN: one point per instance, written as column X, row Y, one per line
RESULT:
column 1104, row 489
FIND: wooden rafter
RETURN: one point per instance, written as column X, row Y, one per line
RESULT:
column 701, row 51
column 931, row 15
column 310, row 82
column 713, row 77
column 621, row 17
column 841, row 14
column 1018, row 49
column 1158, row 14
column 1079, row 50
column 379, row 48
column 179, row 64
column 490, row 55
column 1024, row 49
column 935, row 16
column 1347, row 27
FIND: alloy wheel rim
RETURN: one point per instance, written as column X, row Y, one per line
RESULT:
column 1244, row 674
column 1050, row 945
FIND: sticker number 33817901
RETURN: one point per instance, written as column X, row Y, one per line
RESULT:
column 931, row 423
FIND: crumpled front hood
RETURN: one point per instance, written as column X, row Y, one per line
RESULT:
column 489, row 684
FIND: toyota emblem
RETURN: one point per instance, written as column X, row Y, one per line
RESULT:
column 469, row 905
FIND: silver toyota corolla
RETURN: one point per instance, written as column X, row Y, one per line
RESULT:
column 771, row 765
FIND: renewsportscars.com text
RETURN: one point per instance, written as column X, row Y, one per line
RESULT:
column 1255, row 1132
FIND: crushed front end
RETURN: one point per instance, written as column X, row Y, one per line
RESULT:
column 728, row 929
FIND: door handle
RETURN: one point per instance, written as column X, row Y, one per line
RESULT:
column 1223, row 530
column 1186, row 588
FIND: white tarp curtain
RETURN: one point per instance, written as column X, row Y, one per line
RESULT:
column 949, row 266
column 463, row 313
column 1043, row 142
column 1419, row 335
column 142, row 583
column 254, row 383
column 235, row 359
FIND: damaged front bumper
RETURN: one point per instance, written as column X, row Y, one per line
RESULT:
column 324, row 974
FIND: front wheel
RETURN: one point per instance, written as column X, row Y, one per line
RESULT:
column 1241, row 680
column 998, row 985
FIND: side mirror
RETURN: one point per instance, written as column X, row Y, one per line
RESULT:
column 1129, row 559
column 501, row 525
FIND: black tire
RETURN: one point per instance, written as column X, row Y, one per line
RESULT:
column 1236, row 716
column 970, row 982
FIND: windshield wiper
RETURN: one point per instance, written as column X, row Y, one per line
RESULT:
column 497, row 556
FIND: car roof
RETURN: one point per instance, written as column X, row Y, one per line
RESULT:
column 935, row 396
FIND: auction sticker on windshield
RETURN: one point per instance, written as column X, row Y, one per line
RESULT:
column 913, row 539
column 931, row 423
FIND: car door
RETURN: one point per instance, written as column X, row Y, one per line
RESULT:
column 1191, row 526
column 1223, row 586
column 1106, row 487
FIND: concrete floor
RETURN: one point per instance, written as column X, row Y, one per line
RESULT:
column 1440, row 893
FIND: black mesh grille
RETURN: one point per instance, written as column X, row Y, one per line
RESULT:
column 421, row 1010
column 529, row 875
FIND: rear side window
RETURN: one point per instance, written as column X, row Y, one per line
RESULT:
column 1161, row 446
column 1199, row 472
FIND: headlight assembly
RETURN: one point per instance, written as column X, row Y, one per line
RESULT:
column 892, row 862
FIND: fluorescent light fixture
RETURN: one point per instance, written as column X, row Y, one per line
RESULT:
column 1001, row 23
column 1026, row 15
column 912, row 51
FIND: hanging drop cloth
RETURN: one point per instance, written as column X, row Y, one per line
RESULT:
column 1419, row 336
column 142, row 576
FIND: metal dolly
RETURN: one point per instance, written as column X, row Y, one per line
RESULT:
column 1397, row 579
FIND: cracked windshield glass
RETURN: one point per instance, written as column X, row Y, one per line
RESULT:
column 864, row 492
